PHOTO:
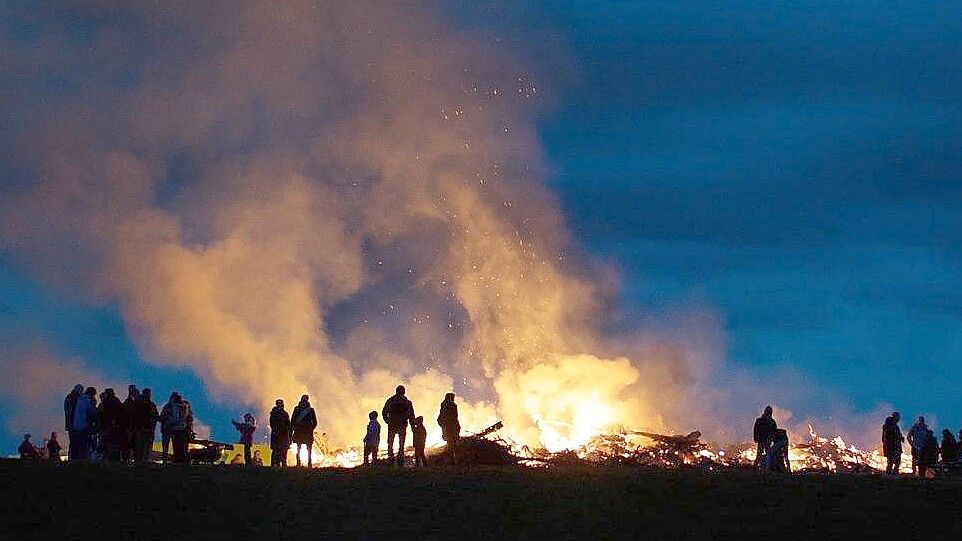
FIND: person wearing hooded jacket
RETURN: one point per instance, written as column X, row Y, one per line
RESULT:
column 892, row 443
column 763, row 434
column 303, row 423
column 280, row 423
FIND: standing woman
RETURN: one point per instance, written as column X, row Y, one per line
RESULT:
column 303, row 422
column 448, row 421
column 246, row 430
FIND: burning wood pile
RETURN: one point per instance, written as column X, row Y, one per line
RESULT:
column 479, row 450
column 652, row 450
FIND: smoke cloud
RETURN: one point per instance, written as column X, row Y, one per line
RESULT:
column 327, row 198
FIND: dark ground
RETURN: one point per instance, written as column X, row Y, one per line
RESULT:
column 110, row 502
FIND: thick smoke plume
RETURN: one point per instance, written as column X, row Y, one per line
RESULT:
column 327, row 198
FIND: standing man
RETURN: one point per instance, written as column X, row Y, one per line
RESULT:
column 85, row 423
column 303, row 422
column 280, row 423
column 69, row 403
column 143, row 425
column 398, row 411
column 450, row 426
column 764, row 433
column 113, row 425
column 916, row 439
column 892, row 443
column 127, row 446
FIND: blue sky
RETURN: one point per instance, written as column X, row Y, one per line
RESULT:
column 796, row 167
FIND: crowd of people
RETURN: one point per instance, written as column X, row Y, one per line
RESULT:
column 104, row 427
column 926, row 451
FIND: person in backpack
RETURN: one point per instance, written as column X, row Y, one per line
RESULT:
column 303, row 422
column 763, row 434
column 113, row 425
column 916, row 438
column 372, row 438
column 143, row 425
column 280, row 423
column 449, row 423
column 420, row 435
column 398, row 411
column 85, row 423
column 69, row 403
column 178, row 421
column 246, row 430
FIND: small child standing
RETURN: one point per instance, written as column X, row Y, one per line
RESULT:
column 372, row 438
column 420, row 436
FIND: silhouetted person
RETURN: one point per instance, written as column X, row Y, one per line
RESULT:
column 237, row 460
column 892, row 443
column 916, row 438
column 69, row 402
column 143, row 425
column 950, row 448
column 304, row 421
column 113, row 425
column 280, row 423
column 398, row 411
column 246, row 430
column 53, row 448
column 85, row 423
column 928, row 453
column 420, row 435
column 178, row 420
column 763, row 434
column 372, row 438
column 257, row 459
column 776, row 459
column 127, row 446
column 27, row 450
column 449, row 423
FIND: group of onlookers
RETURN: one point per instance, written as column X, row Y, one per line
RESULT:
column 298, row 428
column 927, row 453
column 104, row 427
column 295, row 428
